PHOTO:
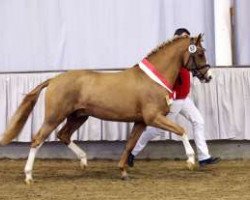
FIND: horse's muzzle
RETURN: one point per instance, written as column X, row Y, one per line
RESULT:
column 208, row 76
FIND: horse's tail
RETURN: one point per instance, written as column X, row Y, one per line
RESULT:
column 21, row 115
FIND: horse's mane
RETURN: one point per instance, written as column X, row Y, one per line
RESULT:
column 165, row 44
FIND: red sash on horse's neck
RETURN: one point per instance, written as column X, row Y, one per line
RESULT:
column 155, row 75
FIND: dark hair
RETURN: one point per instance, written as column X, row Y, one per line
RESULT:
column 180, row 31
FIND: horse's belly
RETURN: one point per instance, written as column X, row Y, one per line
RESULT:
column 111, row 114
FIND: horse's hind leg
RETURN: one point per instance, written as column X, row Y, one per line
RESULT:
column 137, row 130
column 37, row 142
column 72, row 124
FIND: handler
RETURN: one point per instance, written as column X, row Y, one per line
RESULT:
column 184, row 105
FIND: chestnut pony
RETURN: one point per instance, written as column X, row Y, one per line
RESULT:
column 139, row 94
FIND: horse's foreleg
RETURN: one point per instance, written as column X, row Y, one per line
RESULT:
column 37, row 142
column 134, row 136
column 72, row 124
column 163, row 122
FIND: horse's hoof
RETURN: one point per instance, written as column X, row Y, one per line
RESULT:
column 29, row 181
column 83, row 167
column 124, row 175
column 83, row 164
column 190, row 165
column 125, row 178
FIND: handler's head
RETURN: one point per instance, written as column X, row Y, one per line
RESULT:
column 181, row 32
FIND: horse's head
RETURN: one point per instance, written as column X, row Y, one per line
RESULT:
column 195, row 60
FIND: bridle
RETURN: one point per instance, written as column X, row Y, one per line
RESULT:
column 197, row 70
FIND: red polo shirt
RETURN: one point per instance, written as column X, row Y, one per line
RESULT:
column 182, row 84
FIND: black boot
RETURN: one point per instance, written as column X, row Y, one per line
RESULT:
column 131, row 158
column 209, row 161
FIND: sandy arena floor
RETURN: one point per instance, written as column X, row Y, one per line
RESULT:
column 153, row 180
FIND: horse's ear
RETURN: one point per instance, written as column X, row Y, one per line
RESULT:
column 199, row 39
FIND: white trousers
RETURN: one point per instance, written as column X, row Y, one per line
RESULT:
column 186, row 108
